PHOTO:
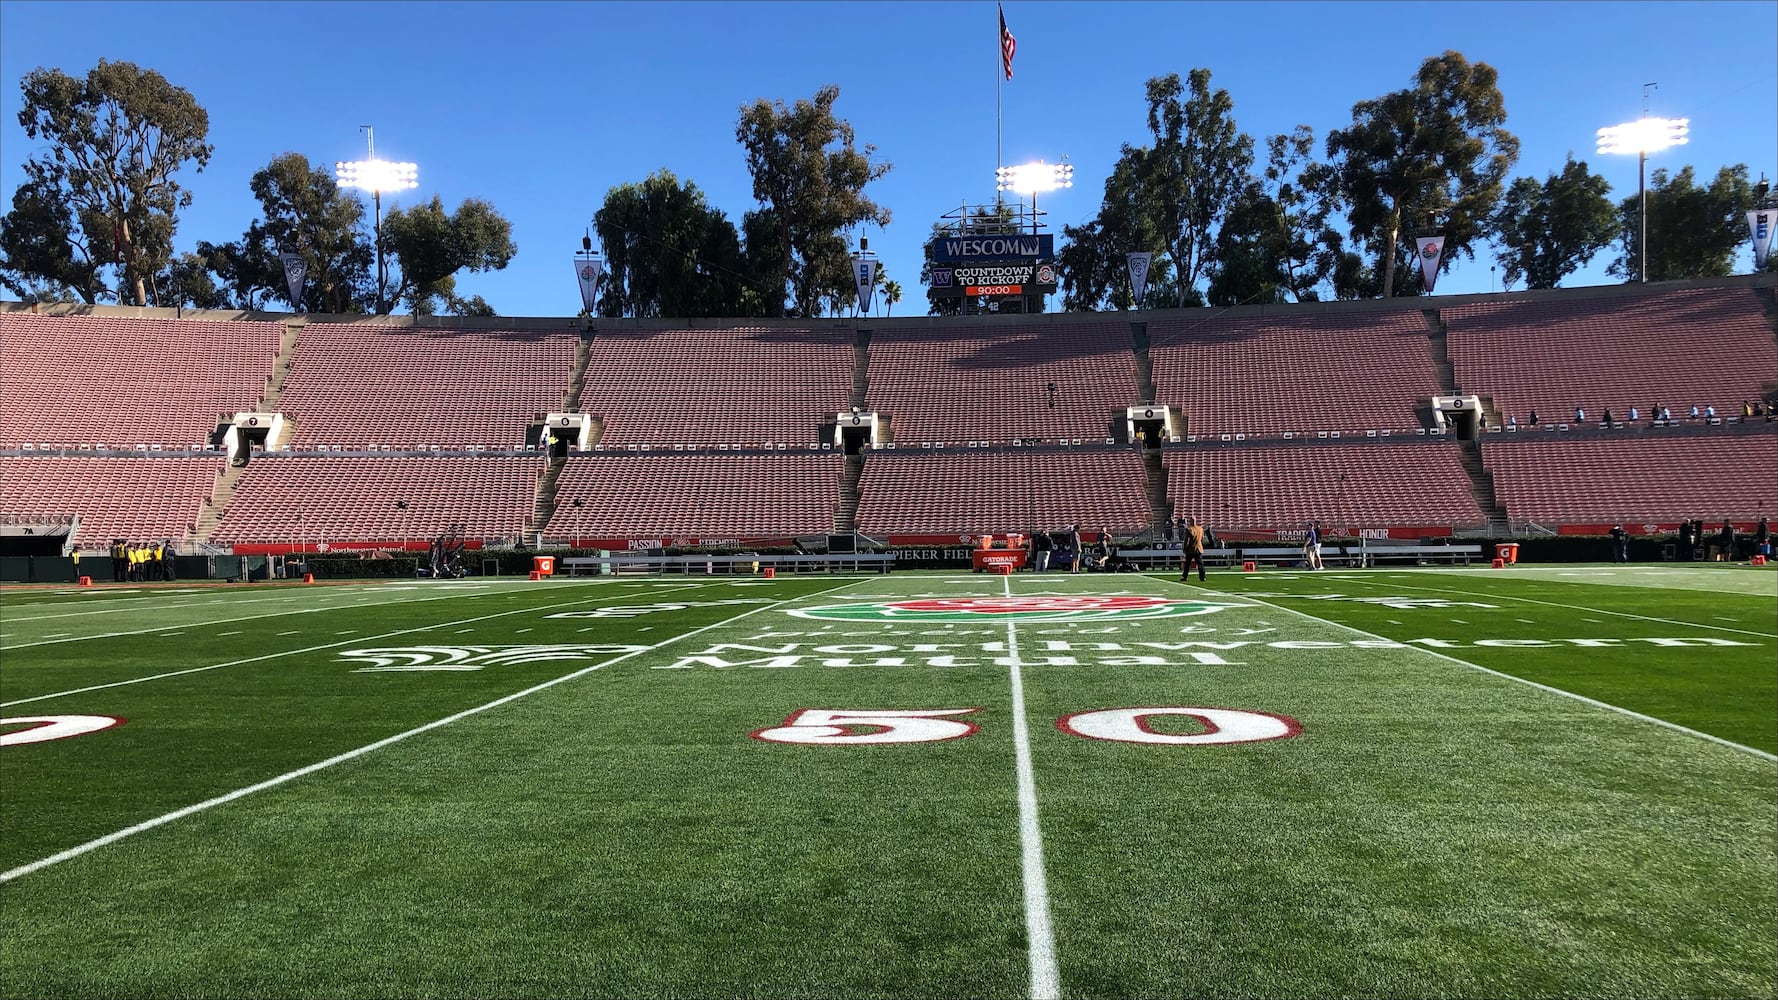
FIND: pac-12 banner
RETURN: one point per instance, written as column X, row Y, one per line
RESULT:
column 1138, row 264
column 296, row 272
column 1760, row 221
column 1427, row 249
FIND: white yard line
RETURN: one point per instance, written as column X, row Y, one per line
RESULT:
column 177, row 814
column 1573, row 607
column 1040, row 934
column 294, row 652
column 1529, row 683
column 10, row 646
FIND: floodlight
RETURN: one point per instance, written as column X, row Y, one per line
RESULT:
column 1031, row 178
column 1644, row 136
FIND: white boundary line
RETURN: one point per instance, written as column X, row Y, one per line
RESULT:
column 1570, row 607
column 177, row 814
column 1528, row 683
column 310, row 649
column 1040, row 934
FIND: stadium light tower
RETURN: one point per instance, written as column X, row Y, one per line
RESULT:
column 1031, row 178
column 377, row 176
column 1643, row 136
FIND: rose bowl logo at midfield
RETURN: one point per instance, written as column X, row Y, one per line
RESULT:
column 1018, row 609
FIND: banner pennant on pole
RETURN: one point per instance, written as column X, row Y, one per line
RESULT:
column 1760, row 221
column 1428, row 249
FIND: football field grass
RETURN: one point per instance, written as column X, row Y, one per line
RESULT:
column 1544, row 781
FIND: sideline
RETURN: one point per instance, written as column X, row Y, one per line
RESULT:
column 1554, row 604
column 1520, row 680
column 1040, row 934
column 178, row 814
column 314, row 649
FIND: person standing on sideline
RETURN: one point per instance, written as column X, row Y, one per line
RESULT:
column 1312, row 546
column 1620, row 544
column 1041, row 544
column 76, row 554
column 1762, row 538
column 1192, row 550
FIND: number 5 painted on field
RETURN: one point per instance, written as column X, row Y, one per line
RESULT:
column 842, row 727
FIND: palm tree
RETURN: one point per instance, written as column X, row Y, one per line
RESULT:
column 891, row 295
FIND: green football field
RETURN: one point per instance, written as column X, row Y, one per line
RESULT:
column 1541, row 781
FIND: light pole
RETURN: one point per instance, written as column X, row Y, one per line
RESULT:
column 1643, row 136
column 1030, row 178
column 377, row 176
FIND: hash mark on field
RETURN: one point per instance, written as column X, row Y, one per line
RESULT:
column 1722, row 619
column 463, row 630
column 169, row 635
column 1460, row 621
column 1526, row 621
column 522, row 631
column 294, row 631
column 1595, row 621
column 646, row 628
column 57, row 635
column 1394, row 622
column 235, row 632
column 589, row 628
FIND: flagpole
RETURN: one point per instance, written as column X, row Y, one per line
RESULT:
column 999, row 73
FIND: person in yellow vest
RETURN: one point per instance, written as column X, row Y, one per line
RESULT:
column 77, row 563
column 131, row 562
column 158, row 564
column 119, row 564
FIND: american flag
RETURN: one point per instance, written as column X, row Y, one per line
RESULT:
column 1008, row 45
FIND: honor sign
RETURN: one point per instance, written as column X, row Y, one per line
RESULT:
column 960, row 280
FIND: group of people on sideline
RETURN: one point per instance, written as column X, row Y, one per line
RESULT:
column 1660, row 415
column 140, row 562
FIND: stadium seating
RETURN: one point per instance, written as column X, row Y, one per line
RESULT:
column 287, row 499
column 697, row 494
column 1553, row 352
column 127, row 381
column 958, row 384
column 976, row 490
column 1283, row 486
column 137, row 498
column 1351, row 370
column 1604, row 478
column 362, row 383
column 739, row 386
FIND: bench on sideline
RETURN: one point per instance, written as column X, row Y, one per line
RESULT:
column 746, row 563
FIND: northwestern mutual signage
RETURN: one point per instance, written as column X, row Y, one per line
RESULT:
column 977, row 248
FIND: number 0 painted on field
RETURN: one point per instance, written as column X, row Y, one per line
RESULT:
column 54, row 727
column 1221, row 725
column 845, row 727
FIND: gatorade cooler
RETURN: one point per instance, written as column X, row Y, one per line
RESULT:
column 1507, row 552
column 544, row 565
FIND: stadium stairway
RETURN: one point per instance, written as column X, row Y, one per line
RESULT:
column 845, row 518
column 1481, row 486
column 1144, row 365
column 583, row 350
column 1437, row 342
column 1437, row 339
column 215, row 508
column 860, row 370
column 544, row 507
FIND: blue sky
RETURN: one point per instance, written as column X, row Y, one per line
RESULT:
column 540, row 108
